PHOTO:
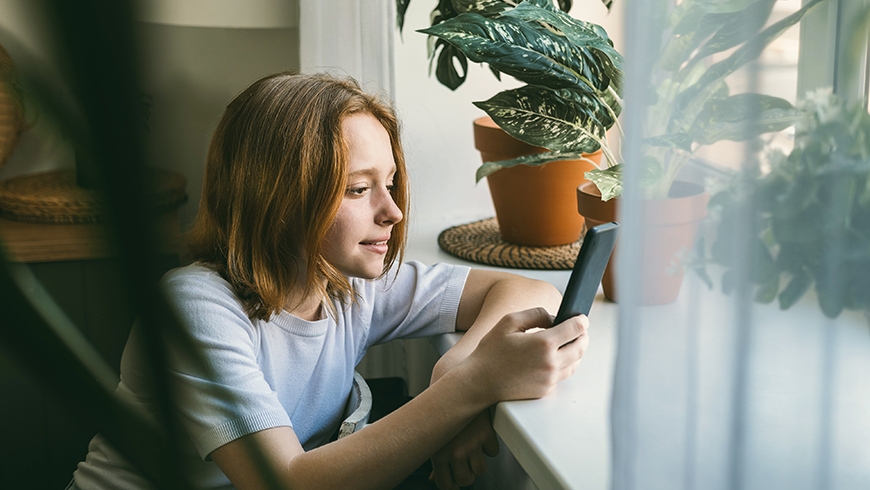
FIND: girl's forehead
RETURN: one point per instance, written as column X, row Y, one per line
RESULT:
column 369, row 146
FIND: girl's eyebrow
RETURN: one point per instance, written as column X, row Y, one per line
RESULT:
column 368, row 172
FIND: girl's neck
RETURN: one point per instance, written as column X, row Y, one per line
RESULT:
column 308, row 307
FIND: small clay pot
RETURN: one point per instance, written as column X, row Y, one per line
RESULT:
column 670, row 226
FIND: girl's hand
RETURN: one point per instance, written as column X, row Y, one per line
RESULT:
column 464, row 458
column 513, row 365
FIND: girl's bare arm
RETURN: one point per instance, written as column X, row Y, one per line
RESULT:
column 507, row 365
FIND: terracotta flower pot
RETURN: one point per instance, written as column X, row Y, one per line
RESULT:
column 533, row 205
column 670, row 226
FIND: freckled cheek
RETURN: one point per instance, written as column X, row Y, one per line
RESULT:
column 341, row 230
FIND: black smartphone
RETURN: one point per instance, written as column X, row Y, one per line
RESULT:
column 588, row 271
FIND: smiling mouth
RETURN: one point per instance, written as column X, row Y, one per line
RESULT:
column 379, row 247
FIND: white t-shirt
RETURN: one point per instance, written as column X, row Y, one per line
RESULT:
column 282, row 372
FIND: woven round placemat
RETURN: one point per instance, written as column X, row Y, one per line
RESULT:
column 11, row 110
column 481, row 242
column 54, row 198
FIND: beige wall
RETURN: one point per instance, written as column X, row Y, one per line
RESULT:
column 190, row 74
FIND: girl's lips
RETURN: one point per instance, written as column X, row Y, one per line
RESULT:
column 378, row 247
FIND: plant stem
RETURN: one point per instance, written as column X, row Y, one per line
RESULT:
column 608, row 155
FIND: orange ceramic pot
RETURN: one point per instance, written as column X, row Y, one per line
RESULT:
column 670, row 226
column 533, row 205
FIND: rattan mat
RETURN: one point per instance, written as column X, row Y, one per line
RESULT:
column 481, row 242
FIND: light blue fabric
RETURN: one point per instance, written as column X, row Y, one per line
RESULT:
column 285, row 371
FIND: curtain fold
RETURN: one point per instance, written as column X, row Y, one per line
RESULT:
column 757, row 375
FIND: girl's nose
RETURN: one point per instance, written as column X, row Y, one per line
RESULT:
column 389, row 213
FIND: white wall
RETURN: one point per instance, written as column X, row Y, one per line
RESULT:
column 438, row 123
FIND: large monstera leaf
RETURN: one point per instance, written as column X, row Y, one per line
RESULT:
column 530, row 51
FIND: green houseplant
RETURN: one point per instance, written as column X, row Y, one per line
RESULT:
column 691, row 106
column 703, row 43
column 573, row 76
column 810, row 214
column 571, row 71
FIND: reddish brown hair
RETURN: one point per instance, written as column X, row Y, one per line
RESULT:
column 275, row 177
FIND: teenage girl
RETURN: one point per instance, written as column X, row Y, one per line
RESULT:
column 297, row 270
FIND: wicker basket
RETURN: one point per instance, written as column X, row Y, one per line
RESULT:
column 11, row 110
column 54, row 198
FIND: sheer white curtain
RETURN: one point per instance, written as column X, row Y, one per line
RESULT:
column 355, row 38
column 717, row 390
column 349, row 38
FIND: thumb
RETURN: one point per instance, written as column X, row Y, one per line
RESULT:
column 521, row 321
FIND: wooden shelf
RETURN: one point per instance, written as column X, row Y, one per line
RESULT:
column 30, row 242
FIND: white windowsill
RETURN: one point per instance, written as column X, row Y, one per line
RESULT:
column 561, row 440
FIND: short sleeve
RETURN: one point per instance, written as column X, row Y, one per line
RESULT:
column 228, row 396
column 415, row 300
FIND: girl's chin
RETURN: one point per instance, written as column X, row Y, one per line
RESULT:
column 367, row 273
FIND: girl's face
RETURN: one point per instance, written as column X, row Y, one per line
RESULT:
column 356, row 243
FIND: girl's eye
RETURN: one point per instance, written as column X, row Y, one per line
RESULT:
column 357, row 191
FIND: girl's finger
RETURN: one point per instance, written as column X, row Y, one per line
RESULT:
column 477, row 462
column 572, row 352
column 463, row 475
column 521, row 321
column 443, row 477
column 490, row 447
column 568, row 331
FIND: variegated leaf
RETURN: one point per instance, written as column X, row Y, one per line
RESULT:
column 485, row 8
column 651, row 171
column 742, row 117
column 445, row 65
column 579, row 33
column 401, row 8
column 678, row 50
column 541, row 117
column 700, row 22
column 737, row 28
column 535, row 160
column 692, row 100
column 527, row 51
column 680, row 141
column 544, row 4
column 723, row 6
column 608, row 181
column 685, row 17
